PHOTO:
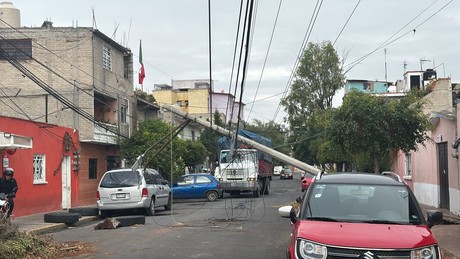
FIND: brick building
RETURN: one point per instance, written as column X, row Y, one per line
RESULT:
column 75, row 77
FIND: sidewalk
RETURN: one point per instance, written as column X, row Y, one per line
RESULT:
column 447, row 234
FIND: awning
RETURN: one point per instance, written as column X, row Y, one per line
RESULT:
column 13, row 141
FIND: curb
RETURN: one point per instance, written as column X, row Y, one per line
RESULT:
column 50, row 227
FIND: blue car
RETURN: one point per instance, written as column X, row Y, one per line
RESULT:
column 197, row 186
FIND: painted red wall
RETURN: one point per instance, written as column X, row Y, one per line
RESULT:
column 49, row 140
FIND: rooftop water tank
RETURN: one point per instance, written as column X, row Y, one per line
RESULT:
column 10, row 16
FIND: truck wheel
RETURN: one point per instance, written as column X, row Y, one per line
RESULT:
column 126, row 221
column 212, row 196
column 61, row 217
column 85, row 211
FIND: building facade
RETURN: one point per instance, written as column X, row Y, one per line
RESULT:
column 74, row 77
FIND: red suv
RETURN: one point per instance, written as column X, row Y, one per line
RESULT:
column 358, row 215
column 306, row 181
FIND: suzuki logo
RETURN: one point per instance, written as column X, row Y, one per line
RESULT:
column 368, row 255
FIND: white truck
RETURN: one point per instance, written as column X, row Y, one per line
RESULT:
column 244, row 169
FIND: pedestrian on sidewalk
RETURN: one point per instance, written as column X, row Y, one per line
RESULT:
column 7, row 185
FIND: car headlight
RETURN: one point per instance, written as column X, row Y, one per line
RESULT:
column 430, row 252
column 309, row 250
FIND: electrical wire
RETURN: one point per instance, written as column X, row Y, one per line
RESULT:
column 349, row 17
column 311, row 24
column 389, row 41
column 266, row 57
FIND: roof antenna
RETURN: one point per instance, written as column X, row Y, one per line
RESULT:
column 94, row 19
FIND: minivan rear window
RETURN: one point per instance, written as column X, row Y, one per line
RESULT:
column 120, row 179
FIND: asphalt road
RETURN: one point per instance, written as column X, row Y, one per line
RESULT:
column 241, row 227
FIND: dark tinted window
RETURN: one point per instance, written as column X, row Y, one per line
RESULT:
column 16, row 49
column 92, row 168
column 121, row 179
column 152, row 177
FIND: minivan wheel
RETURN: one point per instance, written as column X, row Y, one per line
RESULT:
column 168, row 205
column 151, row 209
column 212, row 196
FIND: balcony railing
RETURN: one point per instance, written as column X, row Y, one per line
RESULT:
column 104, row 132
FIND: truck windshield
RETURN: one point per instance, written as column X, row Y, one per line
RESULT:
column 238, row 156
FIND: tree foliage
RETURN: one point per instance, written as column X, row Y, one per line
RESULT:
column 196, row 155
column 275, row 132
column 317, row 80
column 151, row 131
column 209, row 138
column 372, row 125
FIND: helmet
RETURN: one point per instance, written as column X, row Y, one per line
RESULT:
column 8, row 171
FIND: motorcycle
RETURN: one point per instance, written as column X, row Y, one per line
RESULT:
column 5, row 205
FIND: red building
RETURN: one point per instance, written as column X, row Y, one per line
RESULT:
column 45, row 159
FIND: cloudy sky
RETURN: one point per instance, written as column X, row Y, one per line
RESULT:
column 174, row 36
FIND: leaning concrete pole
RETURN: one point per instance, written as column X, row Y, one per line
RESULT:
column 278, row 155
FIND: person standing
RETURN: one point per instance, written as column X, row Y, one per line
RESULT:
column 7, row 185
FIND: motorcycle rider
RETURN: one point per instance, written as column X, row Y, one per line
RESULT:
column 7, row 184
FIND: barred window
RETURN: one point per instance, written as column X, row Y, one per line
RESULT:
column 39, row 168
column 16, row 49
column 123, row 114
column 106, row 58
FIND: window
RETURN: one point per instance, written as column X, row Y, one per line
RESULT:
column 39, row 169
column 92, row 168
column 16, row 49
column 123, row 112
column 407, row 166
column 202, row 179
column 106, row 58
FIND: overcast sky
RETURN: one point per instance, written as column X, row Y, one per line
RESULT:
column 174, row 36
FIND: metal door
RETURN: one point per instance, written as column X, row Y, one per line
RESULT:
column 443, row 176
column 66, row 183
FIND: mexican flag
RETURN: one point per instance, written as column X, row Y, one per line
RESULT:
column 141, row 70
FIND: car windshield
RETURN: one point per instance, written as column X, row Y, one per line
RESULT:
column 120, row 179
column 376, row 204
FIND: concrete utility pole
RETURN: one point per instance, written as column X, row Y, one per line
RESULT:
column 278, row 155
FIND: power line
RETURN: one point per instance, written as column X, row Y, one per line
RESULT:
column 312, row 22
column 265, row 60
column 349, row 17
column 389, row 41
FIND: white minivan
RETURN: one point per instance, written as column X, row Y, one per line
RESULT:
column 124, row 189
column 277, row 170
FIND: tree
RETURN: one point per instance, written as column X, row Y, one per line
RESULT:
column 209, row 137
column 195, row 155
column 368, row 124
column 318, row 78
column 275, row 132
column 150, row 131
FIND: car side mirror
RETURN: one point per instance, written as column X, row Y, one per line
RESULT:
column 434, row 218
column 288, row 212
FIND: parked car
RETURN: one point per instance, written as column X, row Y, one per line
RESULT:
column 123, row 189
column 306, row 179
column 353, row 215
column 286, row 173
column 197, row 186
column 277, row 170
